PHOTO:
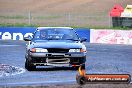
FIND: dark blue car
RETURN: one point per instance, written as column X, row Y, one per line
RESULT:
column 55, row 46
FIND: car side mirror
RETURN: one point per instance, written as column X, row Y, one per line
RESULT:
column 84, row 39
column 27, row 38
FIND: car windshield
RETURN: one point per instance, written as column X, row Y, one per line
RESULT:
column 56, row 34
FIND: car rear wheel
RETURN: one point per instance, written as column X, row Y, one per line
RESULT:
column 29, row 66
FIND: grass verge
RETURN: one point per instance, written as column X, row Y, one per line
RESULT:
column 35, row 25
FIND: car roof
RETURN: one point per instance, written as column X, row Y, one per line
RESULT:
column 41, row 28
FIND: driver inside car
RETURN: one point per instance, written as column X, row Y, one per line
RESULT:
column 43, row 35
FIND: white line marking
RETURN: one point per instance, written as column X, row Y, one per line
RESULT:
column 8, row 45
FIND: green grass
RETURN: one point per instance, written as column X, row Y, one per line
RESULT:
column 102, row 27
column 13, row 17
column 91, row 27
column 26, row 17
column 48, row 17
column 17, row 25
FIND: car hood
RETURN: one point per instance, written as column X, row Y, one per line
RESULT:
column 57, row 44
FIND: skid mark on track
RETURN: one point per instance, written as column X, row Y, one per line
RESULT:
column 105, row 68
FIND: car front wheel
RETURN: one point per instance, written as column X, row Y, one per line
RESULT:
column 29, row 66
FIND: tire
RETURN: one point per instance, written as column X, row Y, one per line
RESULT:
column 29, row 66
column 81, row 80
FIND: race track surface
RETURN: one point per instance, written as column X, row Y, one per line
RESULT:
column 101, row 58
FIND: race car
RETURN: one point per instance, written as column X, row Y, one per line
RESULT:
column 55, row 46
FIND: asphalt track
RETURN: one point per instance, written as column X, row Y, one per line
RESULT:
column 101, row 59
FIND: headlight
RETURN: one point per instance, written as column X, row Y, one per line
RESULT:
column 38, row 50
column 77, row 50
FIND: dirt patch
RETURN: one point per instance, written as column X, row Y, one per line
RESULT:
column 57, row 6
column 7, row 70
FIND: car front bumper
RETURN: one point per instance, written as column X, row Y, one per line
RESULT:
column 58, row 59
column 79, row 54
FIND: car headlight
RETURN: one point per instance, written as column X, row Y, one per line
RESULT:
column 77, row 50
column 39, row 50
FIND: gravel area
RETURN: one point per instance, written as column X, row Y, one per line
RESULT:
column 76, row 86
